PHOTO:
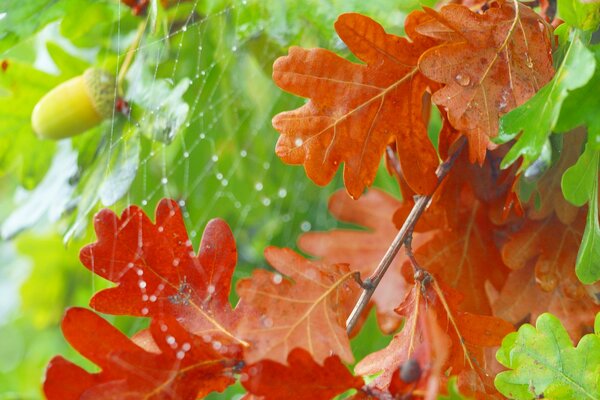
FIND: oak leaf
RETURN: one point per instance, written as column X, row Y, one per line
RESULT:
column 543, row 362
column 184, row 366
column 302, row 378
column 431, row 355
column 465, row 257
column 488, row 63
column 522, row 300
column 307, row 308
column 356, row 110
column 548, row 187
column 469, row 334
column 158, row 272
column 552, row 247
column 363, row 250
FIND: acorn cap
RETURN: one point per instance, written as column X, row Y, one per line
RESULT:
column 75, row 106
column 102, row 89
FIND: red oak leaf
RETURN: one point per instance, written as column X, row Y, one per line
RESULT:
column 430, row 355
column 356, row 110
column 185, row 366
column 469, row 335
column 308, row 310
column 158, row 272
column 488, row 63
column 302, row 378
column 363, row 250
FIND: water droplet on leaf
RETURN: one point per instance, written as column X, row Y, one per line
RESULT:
column 462, row 79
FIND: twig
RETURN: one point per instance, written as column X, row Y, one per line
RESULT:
column 129, row 54
column 399, row 240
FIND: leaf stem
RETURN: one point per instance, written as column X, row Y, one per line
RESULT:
column 129, row 54
column 400, row 239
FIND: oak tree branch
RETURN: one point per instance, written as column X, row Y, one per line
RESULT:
column 420, row 205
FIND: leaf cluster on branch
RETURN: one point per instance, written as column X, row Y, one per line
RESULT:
column 490, row 243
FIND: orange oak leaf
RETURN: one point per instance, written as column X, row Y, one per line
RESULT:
column 356, row 110
column 302, row 378
column 521, row 300
column 184, row 367
column 469, row 334
column 552, row 247
column 363, row 250
column 158, row 272
column 488, row 63
column 465, row 184
column 308, row 310
column 465, row 256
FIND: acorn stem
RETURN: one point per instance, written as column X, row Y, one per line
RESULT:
column 130, row 53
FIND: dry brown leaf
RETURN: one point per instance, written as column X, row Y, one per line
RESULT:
column 489, row 63
column 308, row 310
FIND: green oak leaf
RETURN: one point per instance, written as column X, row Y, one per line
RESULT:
column 543, row 361
column 580, row 185
column 536, row 119
column 579, row 181
column 581, row 106
column 585, row 16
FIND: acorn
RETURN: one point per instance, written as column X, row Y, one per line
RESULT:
column 75, row 106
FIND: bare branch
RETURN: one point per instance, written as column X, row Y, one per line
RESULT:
column 405, row 231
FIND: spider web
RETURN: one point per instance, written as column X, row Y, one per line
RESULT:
column 222, row 162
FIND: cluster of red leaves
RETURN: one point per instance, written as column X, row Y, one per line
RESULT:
column 475, row 250
column 197, row 342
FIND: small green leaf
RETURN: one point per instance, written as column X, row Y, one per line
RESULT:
column 581, row 106
column 453, row 392
column 536, row 119
column 579, row 180
column 580, row 185
column 543, row 361
column 585, row 16
column 588, row 258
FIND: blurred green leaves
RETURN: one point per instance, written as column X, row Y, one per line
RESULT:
column 579, row 14
column 543, row 362
column 21, row 152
